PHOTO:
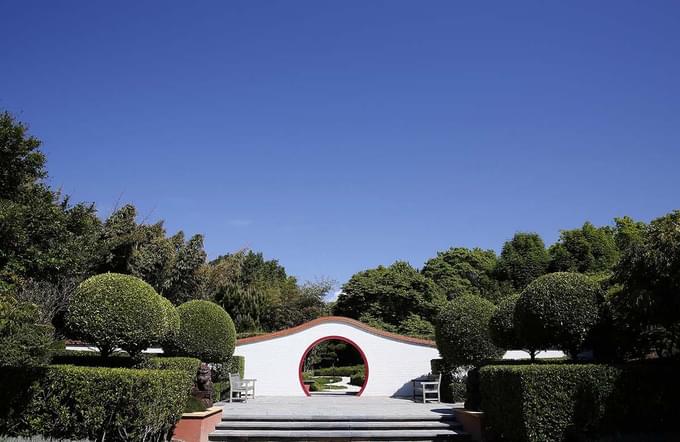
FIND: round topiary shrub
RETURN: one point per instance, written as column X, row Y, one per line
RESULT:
column 502, row 325
column 171, row 320
column 557, row 310
column 113, row 310
column 462, row 331
column 206, row 332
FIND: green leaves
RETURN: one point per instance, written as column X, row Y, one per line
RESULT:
column 113, row 310
column 462, row 331
column 206, row 332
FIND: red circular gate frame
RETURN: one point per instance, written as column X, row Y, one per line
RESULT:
column 333, row 338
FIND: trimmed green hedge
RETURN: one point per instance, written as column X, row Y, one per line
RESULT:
column 357, row 379
column 557, row 402
column 348, row 370
column 69, row 402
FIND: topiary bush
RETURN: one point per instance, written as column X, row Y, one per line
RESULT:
column 171, row 321
column 24, row 341
column 502, row 324
column 206, row 332
column 92, row 403
column 117, row 311
column 557, row 310
column 462, row 331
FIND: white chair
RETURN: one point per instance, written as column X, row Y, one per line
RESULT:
column 242, row 387
column 427, row 388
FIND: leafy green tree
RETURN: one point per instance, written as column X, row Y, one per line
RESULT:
column 557, row 310
column 589, row 249
column 25, row 340
column 462, row 331
column 502, row 325
column 649, row 275
column 389, row 295
column 172, row 265
column 43, row 236
column 460, row 270
column 523, row 259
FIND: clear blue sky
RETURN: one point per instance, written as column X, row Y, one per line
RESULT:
column 336, row 136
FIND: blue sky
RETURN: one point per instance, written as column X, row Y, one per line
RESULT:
column 337, row 136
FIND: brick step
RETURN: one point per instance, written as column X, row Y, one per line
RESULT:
column 432, row 417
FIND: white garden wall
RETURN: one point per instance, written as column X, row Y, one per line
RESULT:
column 393, row 361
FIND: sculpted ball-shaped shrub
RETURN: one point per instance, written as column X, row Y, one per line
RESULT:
column 557, row 310
column 462, row 331
column 171, row 320
column 502, row 325
column 113, row 310
column 206, row 332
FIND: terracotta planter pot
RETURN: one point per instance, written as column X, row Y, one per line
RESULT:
column 472, row 422
column 195, row 427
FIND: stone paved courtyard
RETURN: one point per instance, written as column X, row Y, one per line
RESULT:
column 332, row 406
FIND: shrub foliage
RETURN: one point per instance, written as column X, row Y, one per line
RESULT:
column 206, row 332
column 462, row 331
column 94, row 403
column 113, row 310
column 23, row 340
column 502, row 325
column 557, row 310
column 557, row 402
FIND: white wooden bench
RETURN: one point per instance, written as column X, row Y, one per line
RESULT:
column 241, row 387
column 427, row 388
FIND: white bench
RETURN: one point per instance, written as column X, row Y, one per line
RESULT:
column 427, row 388
column 241, row 387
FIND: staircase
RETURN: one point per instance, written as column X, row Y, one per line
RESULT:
column 339, row 428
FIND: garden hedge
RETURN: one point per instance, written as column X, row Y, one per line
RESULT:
column 206, row 332
column 70, row 402
column 348, row 370
column 117, row 311
column 24, row 341
column 557, row 402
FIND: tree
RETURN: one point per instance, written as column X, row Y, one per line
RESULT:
column 206, row 332
column 589, row 249
column 172, row 265
column 649, row 275
column 42, row 236
column 25, row 340
column 523, row 259
column 462, row 331
column 460, row 270
column 22, row 164
column 389, row 294
column 557, row 310
column 112, row 311
column 502, row 325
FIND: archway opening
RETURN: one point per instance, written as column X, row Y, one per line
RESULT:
column 333, row 365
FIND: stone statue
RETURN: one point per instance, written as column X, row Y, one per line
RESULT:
column 203, row 387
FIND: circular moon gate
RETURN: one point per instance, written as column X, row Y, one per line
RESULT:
column 333, row 338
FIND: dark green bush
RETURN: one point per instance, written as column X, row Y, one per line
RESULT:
column 117, row 311
column 23, row 340
column 340, row 371
column 69, row 402
column 357, row 379
column 502, row 325
column 557, row 402
column 206, row 332
column 462, row 331
column 221, row 370
column 440, row 366
column 557, row 310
